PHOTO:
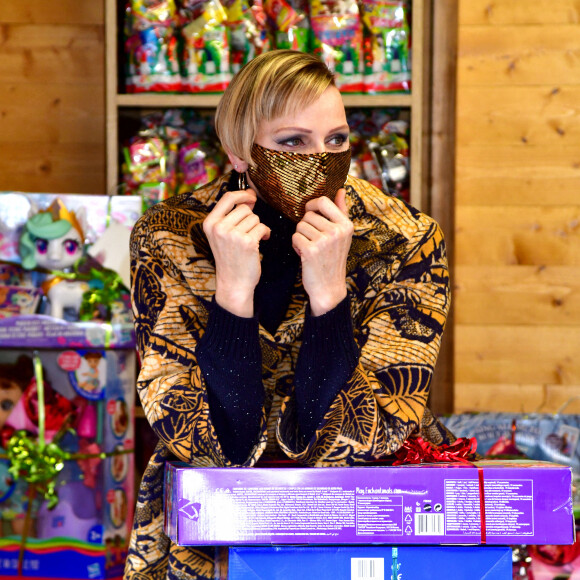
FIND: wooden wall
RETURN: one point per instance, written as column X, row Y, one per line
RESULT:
column 52, row 101
column 517, row 206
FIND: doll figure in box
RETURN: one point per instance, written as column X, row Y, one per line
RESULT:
column 54, row 240
column 14, row 379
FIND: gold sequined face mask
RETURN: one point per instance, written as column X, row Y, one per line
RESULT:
column 287, row 180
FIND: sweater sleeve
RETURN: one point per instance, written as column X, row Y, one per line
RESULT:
column 173, row 276
column 327, row 359
column 230, row 360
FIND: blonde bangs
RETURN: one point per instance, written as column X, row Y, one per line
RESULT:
column 274, row 84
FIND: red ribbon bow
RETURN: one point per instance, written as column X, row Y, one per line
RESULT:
column 417, row 450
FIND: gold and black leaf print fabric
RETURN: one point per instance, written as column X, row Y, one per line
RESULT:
column 398, row 287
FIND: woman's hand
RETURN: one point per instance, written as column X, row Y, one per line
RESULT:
column 234, row 232
column 322, row 240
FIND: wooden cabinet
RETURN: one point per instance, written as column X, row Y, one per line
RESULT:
column 118, row 104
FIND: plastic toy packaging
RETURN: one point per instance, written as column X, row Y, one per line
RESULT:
column 146, row 14
column 338, row 40
column 196, row 166
column 387, row 63
column 152, row 62
column 206, row 62
column 66, row 476
column 288, row 20
column 68, row 284
column 172, row 153
column 247, row 32
column 148, row 169
column 380, row 151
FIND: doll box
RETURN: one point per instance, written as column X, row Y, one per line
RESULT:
column 41, row 331
column 89, row 408
column 524, row 502
column 100, row 210
column 369, row 562
column 106, row 225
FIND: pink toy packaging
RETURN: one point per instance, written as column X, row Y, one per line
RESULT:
column 67, row 382
column 64, row 273
column 66, row 480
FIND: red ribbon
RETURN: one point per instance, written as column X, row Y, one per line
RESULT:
column 417, row 450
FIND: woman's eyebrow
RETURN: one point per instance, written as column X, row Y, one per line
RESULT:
column 344, row 127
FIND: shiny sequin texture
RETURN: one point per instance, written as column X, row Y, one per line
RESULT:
column 288, row 180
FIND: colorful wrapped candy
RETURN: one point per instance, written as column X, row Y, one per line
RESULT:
column 247, row 32
column 152, row 61
column 338, row 40
column 387, row 65
column 289, row 23
column 195, row 166
column 148, row 170
column 206, row 65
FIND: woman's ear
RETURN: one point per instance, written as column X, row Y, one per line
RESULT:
column 240, row 165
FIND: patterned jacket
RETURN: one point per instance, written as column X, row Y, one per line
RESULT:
column 398, row 285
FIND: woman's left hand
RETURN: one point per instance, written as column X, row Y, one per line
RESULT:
column 322, row 240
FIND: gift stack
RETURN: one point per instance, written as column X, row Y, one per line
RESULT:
column 421, row 517
column 67, row 382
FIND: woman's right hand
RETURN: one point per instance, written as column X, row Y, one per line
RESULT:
column 234, row 233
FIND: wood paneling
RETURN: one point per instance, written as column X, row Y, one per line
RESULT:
column 517, row 354
column 517, row 206
column 532, row 116
column 525, row 398
column 52, row 113
column 441, row 174
column 55, row 12
column 531, row 235
column 500, row 174
column 517, row 295
column 56, row 168
column 52, row 105
column 519, row 12
column 535, row 55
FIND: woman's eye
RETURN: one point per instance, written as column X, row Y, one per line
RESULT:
column 41, row 246
column 71, row 246
column 292, row 142
column 338, row 140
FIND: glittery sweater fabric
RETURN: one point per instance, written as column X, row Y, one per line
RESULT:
column 398, row 300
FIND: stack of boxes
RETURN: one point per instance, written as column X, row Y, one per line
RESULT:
column 374, row 522
column 81, row 377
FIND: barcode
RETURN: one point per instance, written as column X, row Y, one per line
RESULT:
column 429, row 524
column 367, row 569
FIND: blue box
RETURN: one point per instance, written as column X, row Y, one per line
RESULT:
column 370, row 563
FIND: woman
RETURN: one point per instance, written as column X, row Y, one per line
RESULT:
column 283, row 309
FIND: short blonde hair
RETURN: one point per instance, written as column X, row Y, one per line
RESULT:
column 272, row 85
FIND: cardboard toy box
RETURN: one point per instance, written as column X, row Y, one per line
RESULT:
column 370, row 563
column 89, row 408
column 524, row 502
column 106, row 224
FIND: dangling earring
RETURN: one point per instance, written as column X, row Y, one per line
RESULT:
column 242, row 182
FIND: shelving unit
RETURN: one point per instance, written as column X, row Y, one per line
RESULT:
column 417, row 101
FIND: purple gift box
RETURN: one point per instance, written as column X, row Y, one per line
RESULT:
column 488, row 502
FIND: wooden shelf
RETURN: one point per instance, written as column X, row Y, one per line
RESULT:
column 418, row 101
column 169, row 100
